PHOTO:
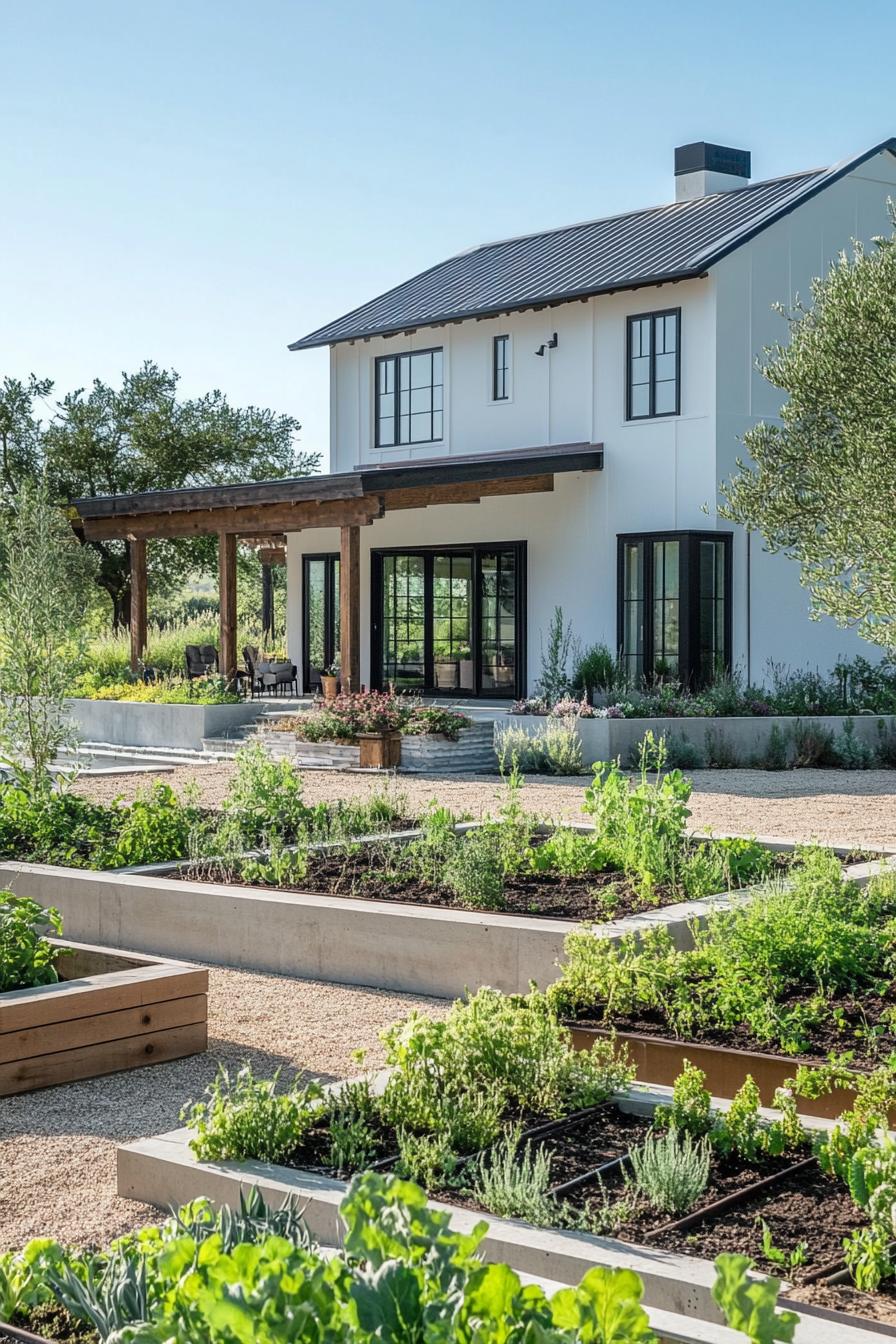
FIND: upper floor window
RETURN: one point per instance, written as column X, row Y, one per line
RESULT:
column 409, row 405
column 501, row 368
column 654, row 365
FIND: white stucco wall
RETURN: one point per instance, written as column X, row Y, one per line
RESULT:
column 777, row 267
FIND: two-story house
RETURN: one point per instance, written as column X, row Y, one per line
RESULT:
column 541, row 422
column 626, row 346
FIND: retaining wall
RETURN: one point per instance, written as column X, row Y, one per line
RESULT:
column 130, row 723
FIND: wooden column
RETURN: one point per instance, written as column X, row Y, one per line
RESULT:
column 350, row 607
column 137, row 554
column 227, row 603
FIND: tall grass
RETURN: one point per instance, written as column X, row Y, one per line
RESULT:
column 109, row 655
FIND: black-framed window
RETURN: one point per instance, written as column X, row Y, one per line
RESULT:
column 320, row 618
column 409, row 398
column 450, row 619
column 674, row 606
column 653, row 365
column 501, row 368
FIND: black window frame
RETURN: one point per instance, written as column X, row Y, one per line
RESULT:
column 689, row 644
column 331, row 632
column 515, row 691
column 501, row 367
column 395, row 359
column 652, row 317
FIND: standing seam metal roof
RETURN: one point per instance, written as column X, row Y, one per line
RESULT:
column 667, row 242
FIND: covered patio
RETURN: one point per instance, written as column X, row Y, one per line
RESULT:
column 263, row 514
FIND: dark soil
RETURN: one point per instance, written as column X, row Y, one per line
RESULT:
column 595, row 896
column 860, row 1025
column 314, row 1152
column 598, row 1138
column 806, row 1207
column 877, row 1306
column 52, row 1322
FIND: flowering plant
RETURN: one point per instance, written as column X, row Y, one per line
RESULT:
column 569, row 707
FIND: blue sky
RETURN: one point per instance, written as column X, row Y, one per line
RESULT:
column 202, row 181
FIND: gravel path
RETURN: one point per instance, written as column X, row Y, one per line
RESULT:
column 57, row 1146
column 825, row 805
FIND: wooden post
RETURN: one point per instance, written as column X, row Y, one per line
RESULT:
column 350, row 607
column 227, row 604
column 137, row 554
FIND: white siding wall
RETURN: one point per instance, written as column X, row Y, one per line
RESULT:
column 777, row 267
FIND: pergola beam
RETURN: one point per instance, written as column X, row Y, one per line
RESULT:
column 254, row 521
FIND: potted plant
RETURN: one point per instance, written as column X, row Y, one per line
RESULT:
column 329, row 680
column 380, row 721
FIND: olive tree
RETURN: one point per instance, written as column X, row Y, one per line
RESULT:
column 45, row 582
column 821, row 485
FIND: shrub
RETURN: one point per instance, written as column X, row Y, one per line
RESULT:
column 517, row 749
column 474, row 872
column 433, row 719
column 671, row 1170
column 720, row 754
column 514, row 1184
column 679, row 753
column 561, row 749
column 27, row 957
column 246, row 1117
column 813, row 746
column 851, row 752
column 596, row 669
column 775, row 754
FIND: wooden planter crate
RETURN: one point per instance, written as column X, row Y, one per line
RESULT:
column 110, row 1010
column 379, row 751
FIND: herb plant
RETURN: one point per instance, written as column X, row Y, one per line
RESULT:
column 671, row 1169
column 247, row 1117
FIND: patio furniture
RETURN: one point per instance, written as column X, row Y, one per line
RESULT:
column 276, row 677
column 250, row 657
column 200, row 661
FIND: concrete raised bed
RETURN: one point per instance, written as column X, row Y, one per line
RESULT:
column 389, row 945
column 163, row 1171
column 110, row 1010
column 744, row 738
column 129, row 723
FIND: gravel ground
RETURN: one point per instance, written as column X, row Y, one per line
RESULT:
column 57, row 1146
column 825, row 805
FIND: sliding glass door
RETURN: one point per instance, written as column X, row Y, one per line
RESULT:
column 320, row 647
column 450, row 620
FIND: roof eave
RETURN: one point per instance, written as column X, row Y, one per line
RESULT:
column 315, row 340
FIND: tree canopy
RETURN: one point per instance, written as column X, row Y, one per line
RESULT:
column 139, row 436
column 821, row 486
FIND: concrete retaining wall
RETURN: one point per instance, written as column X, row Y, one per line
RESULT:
column 416, row 949
column 130, row 723
column 742, row 738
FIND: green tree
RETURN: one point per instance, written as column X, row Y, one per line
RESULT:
column 140, row 436
column 21, row 435
column 44, row 581
column 821, row 486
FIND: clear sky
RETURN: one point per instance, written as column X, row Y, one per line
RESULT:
column 202, row 181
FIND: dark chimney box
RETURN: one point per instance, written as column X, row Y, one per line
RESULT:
column 701, row 157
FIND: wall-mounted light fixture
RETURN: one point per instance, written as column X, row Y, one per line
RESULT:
column 550, row 345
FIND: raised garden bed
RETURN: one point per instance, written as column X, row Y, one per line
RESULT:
column 109, row 1011
column 129, row 723
column 799, row 1203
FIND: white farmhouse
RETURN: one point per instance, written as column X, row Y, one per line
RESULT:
column 541, row 422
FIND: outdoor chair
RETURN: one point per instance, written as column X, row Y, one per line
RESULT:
column 278, row 677
column 250, row 658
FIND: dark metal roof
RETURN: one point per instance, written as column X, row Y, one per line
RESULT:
column 646, row 247
column 366, row 479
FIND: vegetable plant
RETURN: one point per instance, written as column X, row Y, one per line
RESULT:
column 27, row 957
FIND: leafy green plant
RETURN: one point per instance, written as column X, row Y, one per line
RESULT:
column 596, row 669
column 246, row 1117
column 776, row 1255
column 168, row 691
column 264, row 798
column 750, row 1304
column 155, row 827
column 775, row 755
column 671, row 1169
column 27, row 957
column 739, row 1129
column 428, row 1159
column 474, row 872
column 279, row 867
column 690, row 1111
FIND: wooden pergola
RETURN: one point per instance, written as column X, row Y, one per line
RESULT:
column 262, row 514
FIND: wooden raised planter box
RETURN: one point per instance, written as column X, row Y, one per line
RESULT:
column 379, row 751
column 658, row 1061
column 109, row 1011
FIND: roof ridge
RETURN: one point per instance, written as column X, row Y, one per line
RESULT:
column 626, row 214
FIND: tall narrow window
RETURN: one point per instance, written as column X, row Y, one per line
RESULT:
column 409, row 391
column 653, row 365
column 674, row 616
column 501, row 368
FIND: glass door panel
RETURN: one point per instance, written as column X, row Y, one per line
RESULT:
column 404, row 623
column 497, row 622
column 452, row 614
column 321, row 602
